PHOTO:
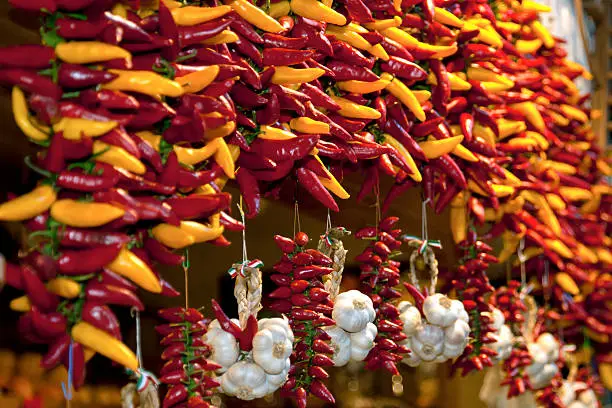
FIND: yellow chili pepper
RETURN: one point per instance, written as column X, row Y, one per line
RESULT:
column 119, row 10
column 331, row 183
column 151, row 138
column 287, row 75
column 350, row 37
column 528, row 46
column 201, row 232
column 76, row 128
column 398, row 89
column 603, row 167
column 421, row 95
column 172, row 236
column 172, row 4
column 559, row 247
column 103, row 343
column 196, row 81
column 486, row 36
column 224, row 37
column 510, row 243
column 541, row 140
column 310, row 126
column 88, row 52
column 224, row 159
column 585, row 254
column 118, row 157
column 28, row 205
column 465, row 154
column 485, row 134
column 501, row 190
column 128, row 265
column 601, row 338
column 21, row 115
column 351, row 109
column 603, row 254
column 575, row 193
column 532, row 114
column 144, row 82
column 64, row 287
column 21, row 304
column 474, row 187
column 436, row 148
column 530, row 5
column 279, row 9
column 192, row 15
column 543, row 34
column 318, row 11
column 509, row 26
column 561, row 167
column 272, row 133
column 391, row 141
column 458, row 217
column 220, row 131
column 482, row 74
column 510, row 127
column 524, row 142
column 444, row 16
column 456, row 83
column 574, row 113
column 363, row 87
column 83, row 214
column 191, row 156
column 379, row 25
column 379, row 52
column 355, row 27
column 555, row 202
column 401, row 36
column 256, row 16
column 493, row 215
column 545, row 213
column 592, row 205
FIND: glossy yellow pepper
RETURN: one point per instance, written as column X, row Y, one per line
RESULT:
column 585, row 254
column 456, row 83
column 483, row 74
column 21, row 304
column 436, row 148
column 528, row 46
column 391, row 141
column 103, row 343
column 541, row 140
column 458, row 217
column 256, row 16
column 88, row 52
column 279, row 9
column 532, row 114
column 574, row 113
column 21, row 115
column 287, row 75
column 351, row 109
column 76, row 128
column 509, row 26
column 445, row 17
column 151, row 138
column 363, row 87
column 196, row 81
column 192, row 15
column 379, row 25
column 310, row 126
column 28, row 205
column 398, row 89
column 422, row 95
column 223, row 157
column 192, row 156
column 220, row 131
column 224, row 37
column 201, row 232
column 575, row 193
column 172, row 236
column 510, row 244
column 331, row 183
column 555, row 202
column 273, row 133
column 144, row 82
column 128, row 265
column 560, row 248
column 118, row 157
column 64, row 287
column 543, row 34
column 530, row 5
column 83, row 214
column 318, row 11
column 465, row 154
column 510, row 127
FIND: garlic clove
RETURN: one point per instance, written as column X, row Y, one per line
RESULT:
column 412, row 360
column 411, row 319
column 457, row 333
column 439, row 310
column 275, row 381
column 362, row 342
column 453, row 350
column 428, row 342
column 271, row 348
column 245, row 380
column 341, row 343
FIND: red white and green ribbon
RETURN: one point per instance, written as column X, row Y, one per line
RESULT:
column 422, row 243
column 234, row 270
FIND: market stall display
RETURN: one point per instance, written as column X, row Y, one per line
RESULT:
column 144, row 110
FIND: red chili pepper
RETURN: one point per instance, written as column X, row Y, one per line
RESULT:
column 47, row 325
column 81, row 262
column 58, row 348
column 224, row 321
column 246, row 337
column 246, row 30
column 102, row 317
column 175, row 395
column 319, row 390
column 107, row 294
column 31, row 82
column 394, row 48
column 313, row 185
column 285, row 56
column 36, row 290
column 346, row 72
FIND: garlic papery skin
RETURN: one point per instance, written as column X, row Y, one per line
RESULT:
column 410, row 317
column 276, row 321
column 224, row 347
column 440, row 310
column 412, row 360
column 275, row 381
column 544, row 376
column 362, row 342
column 457, row 333
column 341, row 343
column 566, row 393
column 503, row 345
column 271, row 348
column 549, row 344
column 539, row 359
column 428, row 342
column 245, row 380
column 451, row 351
column 353, row 310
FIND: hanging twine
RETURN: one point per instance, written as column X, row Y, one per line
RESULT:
column 331, row 245
column 423, row 247
column 146, row 385
column 248, row 286
column 522, row 259
column 531, row 318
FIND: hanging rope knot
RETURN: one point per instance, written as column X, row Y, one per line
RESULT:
column 144, row 379
column 422, row 244
column 245, row 268
column 333, row 234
